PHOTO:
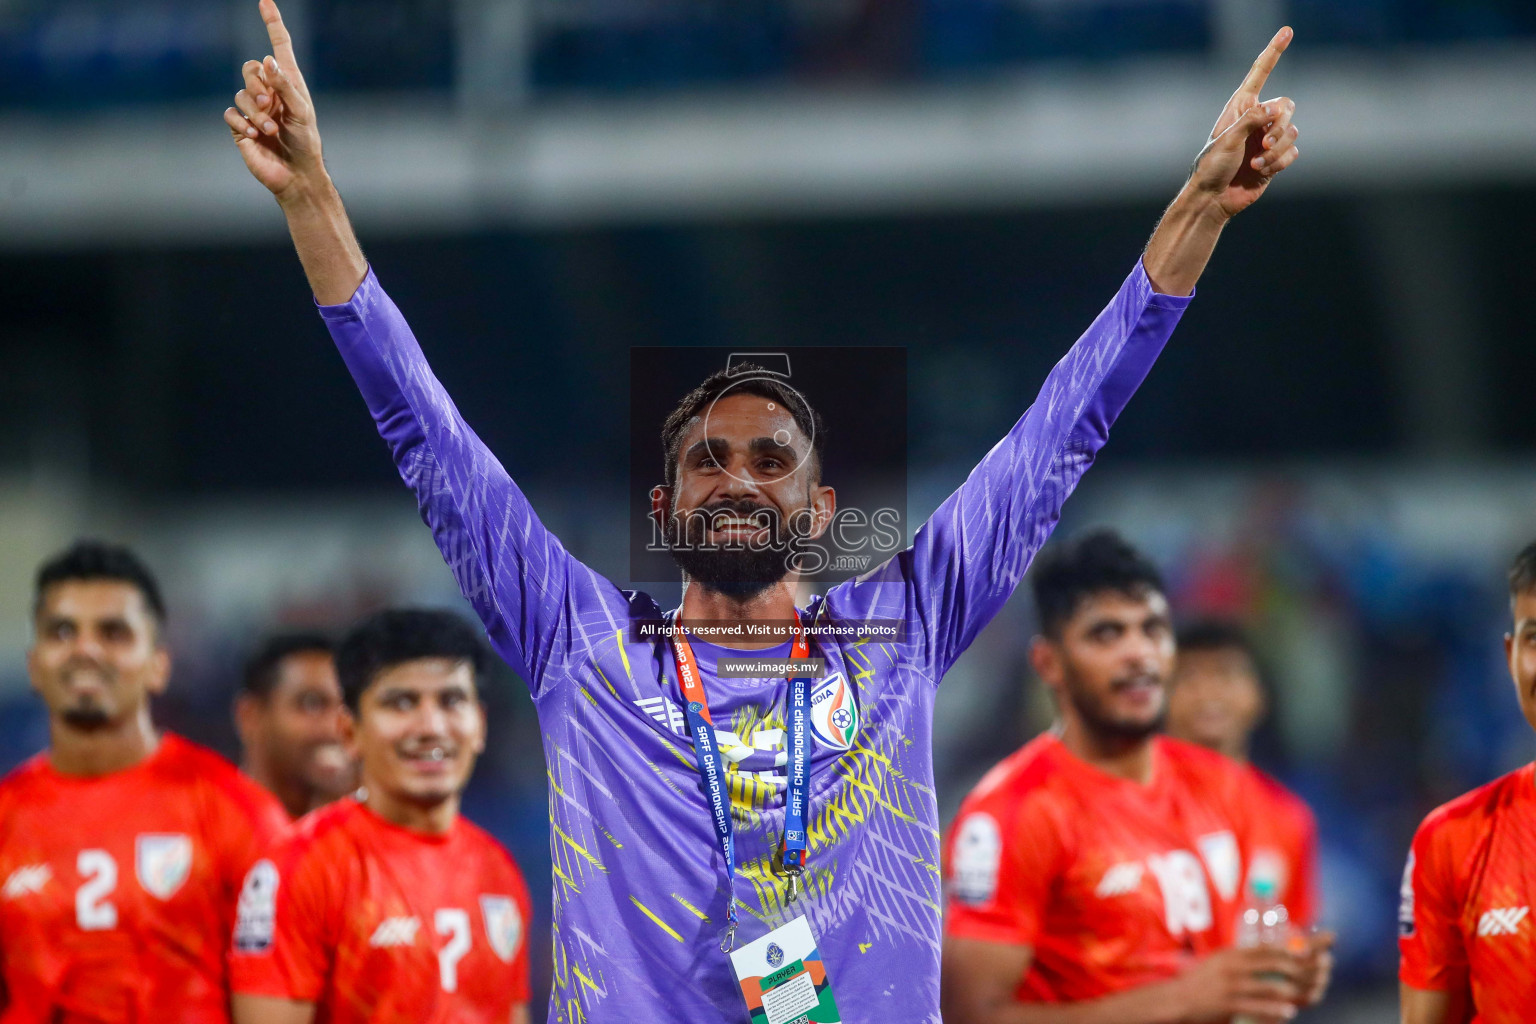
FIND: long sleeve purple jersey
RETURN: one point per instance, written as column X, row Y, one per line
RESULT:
column 639, row 887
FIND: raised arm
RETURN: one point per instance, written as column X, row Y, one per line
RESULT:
column 1251, row 142
column 519, row 578
column 971, row 554
column 273, row 123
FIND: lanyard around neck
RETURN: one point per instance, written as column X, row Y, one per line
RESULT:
column 712, row 769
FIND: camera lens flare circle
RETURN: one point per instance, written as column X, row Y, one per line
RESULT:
column 780, row 436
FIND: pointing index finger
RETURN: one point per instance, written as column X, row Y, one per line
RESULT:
column 1257, row 75
column 282, row 42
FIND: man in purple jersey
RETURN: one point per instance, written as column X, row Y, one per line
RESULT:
column 649, row 870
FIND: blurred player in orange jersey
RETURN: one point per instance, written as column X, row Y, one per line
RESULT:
column 288, row 715
column 1095, row 875
column 1216, row 699
column 122, row 850
column 1465, row 934
column 390, row 907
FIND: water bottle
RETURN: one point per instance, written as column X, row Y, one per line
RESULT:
column 1264, row 921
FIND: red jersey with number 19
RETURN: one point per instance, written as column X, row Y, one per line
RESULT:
column 1465, row 922
column 118, row 890
column 374, row 922
column 1113, row 884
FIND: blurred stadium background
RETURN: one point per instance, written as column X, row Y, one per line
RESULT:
column 1338, row 446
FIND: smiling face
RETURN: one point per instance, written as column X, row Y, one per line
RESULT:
column 96, row 658
column 298, row 724
column 1215, row 699
column 1520, row 651
column 1109, row 663
column 418, row 729
column 746, row 494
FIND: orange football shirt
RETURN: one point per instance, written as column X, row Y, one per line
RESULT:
column 118, row 890
column 1113, row 884
column 374, row 922
column 1285, row 846
column 1465, row 920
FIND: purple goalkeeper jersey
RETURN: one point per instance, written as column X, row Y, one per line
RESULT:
column 640, row 889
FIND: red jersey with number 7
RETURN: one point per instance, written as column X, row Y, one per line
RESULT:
column 117, row 891
column 1112, row 884
column 1465, row 921
column 374, row 922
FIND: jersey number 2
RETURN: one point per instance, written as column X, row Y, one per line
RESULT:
column 93, row 911
column 455, row 924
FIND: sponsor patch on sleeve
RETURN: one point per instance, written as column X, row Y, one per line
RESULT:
column 256, row 915
column 1405, row 922
column 978, row 852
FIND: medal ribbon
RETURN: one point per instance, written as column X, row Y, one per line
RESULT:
column 712, row 768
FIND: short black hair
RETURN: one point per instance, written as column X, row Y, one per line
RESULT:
column 262, row 667
column 1522, row 574
column 1215, row 634
column 1070, row 572
column 88, row 560
column 398, row 635
column 745, row 379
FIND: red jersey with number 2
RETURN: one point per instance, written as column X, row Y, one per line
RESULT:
column 374, row 922
column 118, row 890
column 1112, row 883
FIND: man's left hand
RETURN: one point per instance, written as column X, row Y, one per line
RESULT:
column 1252, row 141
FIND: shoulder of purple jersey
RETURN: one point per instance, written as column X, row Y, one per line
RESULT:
column 878, row 593
column 642, row 606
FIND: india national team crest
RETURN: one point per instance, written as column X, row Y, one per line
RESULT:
column 162, row 862
column 503, row 925
column 834, row 715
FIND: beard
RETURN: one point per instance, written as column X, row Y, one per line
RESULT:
column 87, row 717
column 737, row 569
column 1107, row 726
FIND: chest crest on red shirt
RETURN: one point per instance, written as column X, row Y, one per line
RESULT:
column 503, row 925
column 162, row 862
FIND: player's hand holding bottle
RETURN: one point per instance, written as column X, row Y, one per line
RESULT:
column 1261, row 983
column 273, row 119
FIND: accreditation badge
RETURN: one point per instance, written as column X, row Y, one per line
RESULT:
column 783, row 979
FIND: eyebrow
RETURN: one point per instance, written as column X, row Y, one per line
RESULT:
column 392, row 692
column 717, row 446
column 767, row 444
column 60, row 618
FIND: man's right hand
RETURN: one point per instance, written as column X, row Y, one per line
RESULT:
column 1262, row 982
column 273, row 119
